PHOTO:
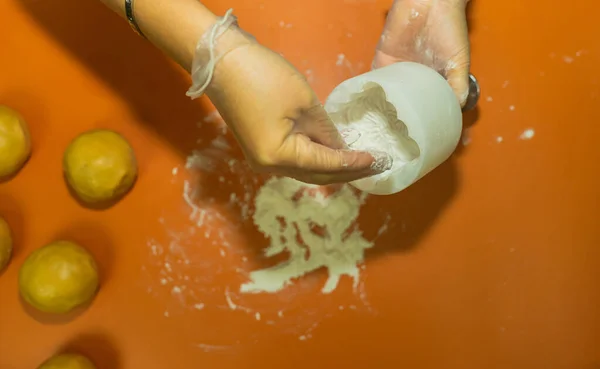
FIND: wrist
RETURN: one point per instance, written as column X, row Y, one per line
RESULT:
column 210, row 63
column 174, row 26
column 233, row 39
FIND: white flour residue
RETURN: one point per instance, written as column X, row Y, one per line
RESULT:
column 212, row 117
column 527, row 134
column 205, row 248
column 370, row 115
column 450, row 66
column 314, row 229
column 342, row 61
column 568, row 59
column 384, row 227
column 212, row 348
column 309, row 75
column 465, row 139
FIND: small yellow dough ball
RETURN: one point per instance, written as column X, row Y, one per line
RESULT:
column 100, row 166
column 67, row 361
column 58, row 277
column 5, row 244
column 15, row 143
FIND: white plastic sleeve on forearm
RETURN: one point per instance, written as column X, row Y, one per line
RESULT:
column 207, row 54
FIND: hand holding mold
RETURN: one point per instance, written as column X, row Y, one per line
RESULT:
column 429, row 32
column 288, row 133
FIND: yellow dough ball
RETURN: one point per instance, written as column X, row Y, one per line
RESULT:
column 100, row 166
column 58, row 277
column 15, row 144
column 67, row 361
column 5, row 244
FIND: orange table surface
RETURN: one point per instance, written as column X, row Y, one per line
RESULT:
column 491, row 261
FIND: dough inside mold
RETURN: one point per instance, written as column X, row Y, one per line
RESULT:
column 369, row 122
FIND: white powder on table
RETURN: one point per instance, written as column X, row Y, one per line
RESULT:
column 288, row 215
column 527, row 134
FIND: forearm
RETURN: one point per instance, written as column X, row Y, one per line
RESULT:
column 174, row 26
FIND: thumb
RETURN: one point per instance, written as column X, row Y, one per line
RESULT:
column 300, row 152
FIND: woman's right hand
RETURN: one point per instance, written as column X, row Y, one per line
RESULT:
column 267, row 103
column 278, row 120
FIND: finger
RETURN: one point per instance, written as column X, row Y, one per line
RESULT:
column 458, row 78
column 350, row 136
column 301, row 153
column 328, row 179
column 324, row 179
column 404, row 22
column 316, row 125
column 401, row 35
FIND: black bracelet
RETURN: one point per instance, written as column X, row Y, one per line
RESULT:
column 131, row 18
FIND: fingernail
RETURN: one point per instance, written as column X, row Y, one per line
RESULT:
column 383, row 161
column 350, row 136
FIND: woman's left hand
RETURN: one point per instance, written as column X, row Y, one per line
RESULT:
column 430, row 32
